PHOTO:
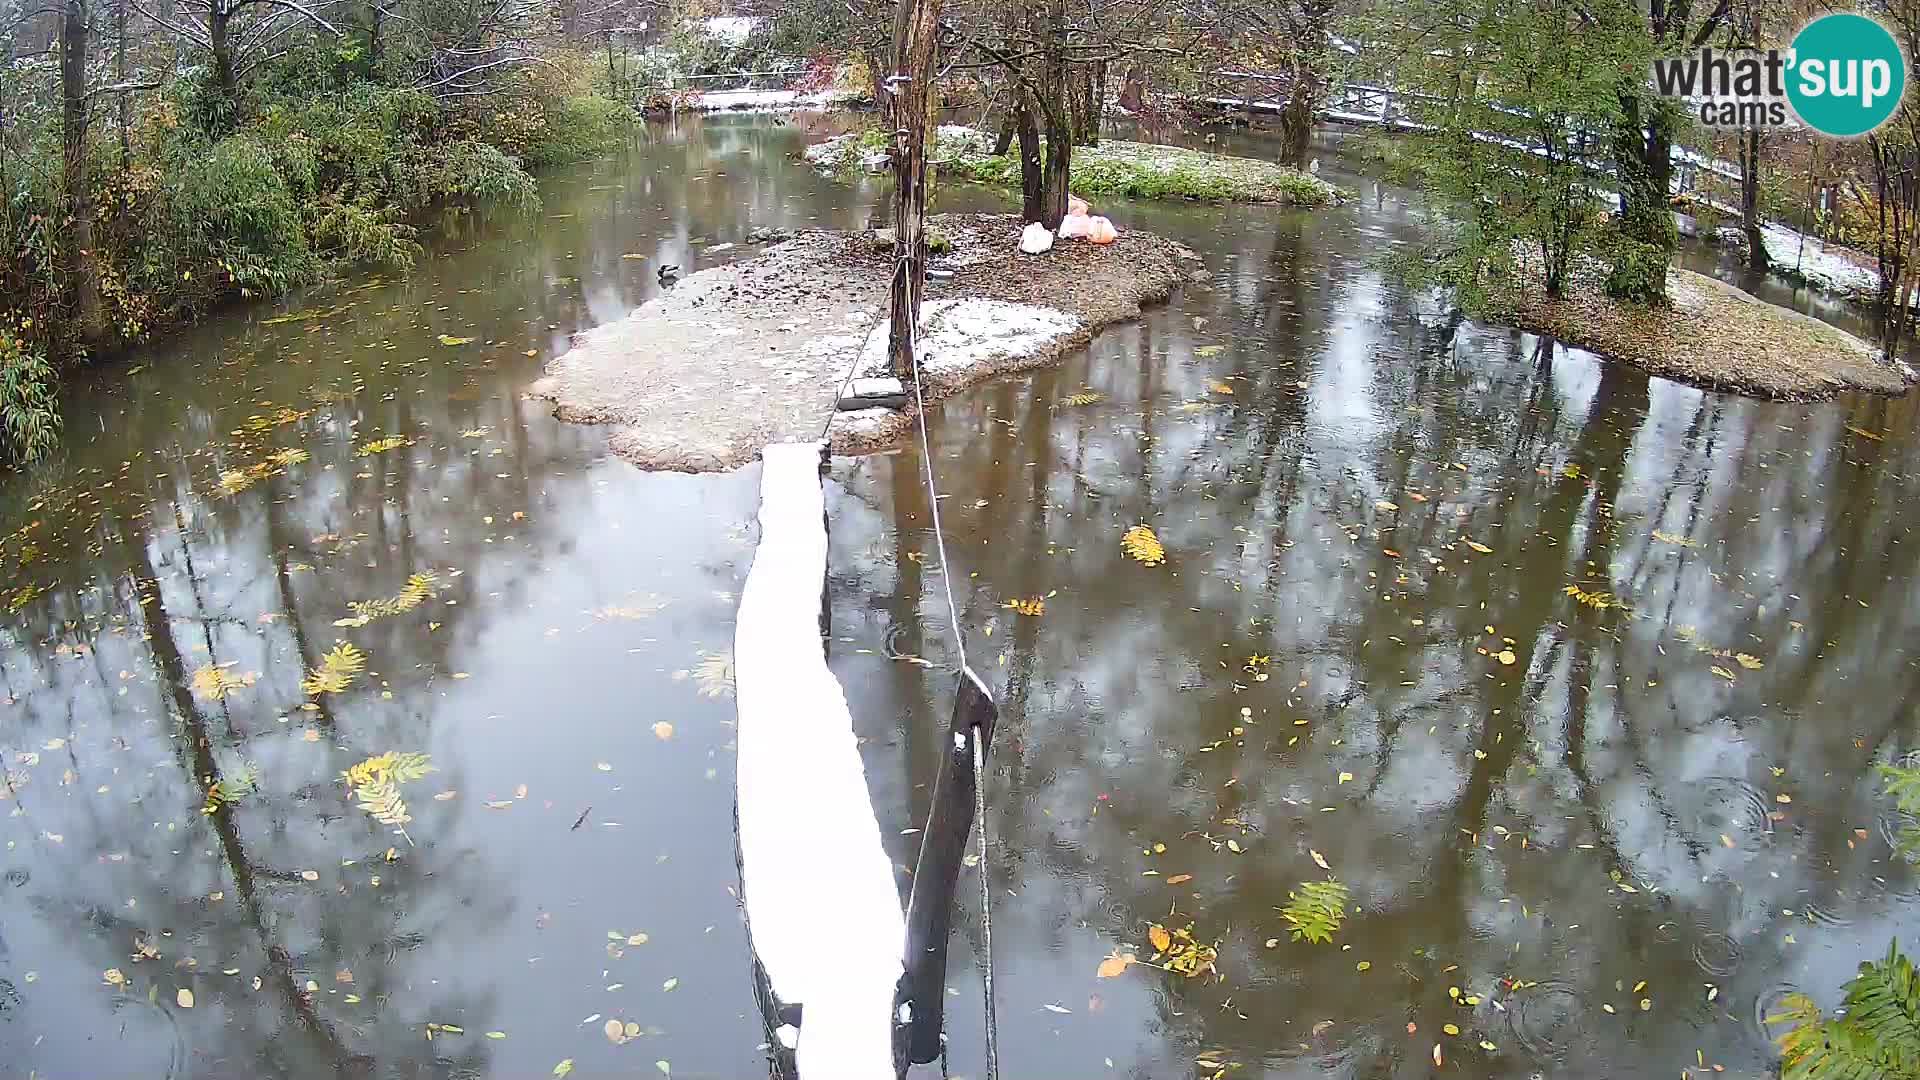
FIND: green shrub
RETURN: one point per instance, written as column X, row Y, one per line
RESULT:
column 349, row 232
column 1876, row 1034
column 579, row 127
column 1637, row 272
column 29, row 409
column 249, row 222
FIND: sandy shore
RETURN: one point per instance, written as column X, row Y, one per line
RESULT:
column 735, row 357
column 1715, row 336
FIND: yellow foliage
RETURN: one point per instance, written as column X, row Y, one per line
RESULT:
column 376, row 782
column 1141, row 545
column 1599, row 601
column 336, row 671
column 381, row 446
column 419, row 589
column 218, row 682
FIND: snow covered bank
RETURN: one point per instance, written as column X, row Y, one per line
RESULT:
column 763, row 101
column 699, row 378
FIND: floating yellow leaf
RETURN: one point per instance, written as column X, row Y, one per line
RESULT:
column 663, row 730
column 1085, row 397
column 1209, row 350
column 616, row 1032
column 336, row 671
column 1030, row 606
column 381, row 446
column 184, row 998
column 1599, row 601
column 418, row 589
column 1450, row 1029
column 1222, row 388
column 218, row 682
column 565, row 1067
column 1345, row 776
column 1114, row 965
column 1506, row 656
column 1722, row 672
column 375, row 783
column 1748, row 661
column 713, row 674
column 1143, row 546
column 1672, row 538
column 1319, row 860
column 1158, row 936
column 1479, row 547
column 1385, row 505
column 1179, row 879
column 114, row 977
column 446, row 339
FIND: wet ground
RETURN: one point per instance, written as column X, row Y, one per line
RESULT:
column 1596, row 832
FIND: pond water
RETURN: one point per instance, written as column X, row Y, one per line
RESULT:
column 1597, row 834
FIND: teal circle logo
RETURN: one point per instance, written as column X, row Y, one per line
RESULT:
column 1846, row 76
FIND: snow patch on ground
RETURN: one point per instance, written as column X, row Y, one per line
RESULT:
column 959, row 335
column 1821, row 268
column 770, row 100
column 732, row 29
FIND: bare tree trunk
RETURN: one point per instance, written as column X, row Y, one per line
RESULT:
column 1750, row 200
column 1096, row 116
column 1296, row 120
column 79, row 254
column 120, row 76
column 377, row 38
column 1054, row 107
column 1133, row 90
column 224, row 74
column 1032, row 172
column 914, row 30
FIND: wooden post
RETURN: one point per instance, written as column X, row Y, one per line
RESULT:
column 915, row 25
column 936, row 874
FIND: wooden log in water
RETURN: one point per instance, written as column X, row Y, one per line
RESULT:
column 943, row 847
column 822, row 910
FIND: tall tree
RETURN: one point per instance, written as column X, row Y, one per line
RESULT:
column 82, row 273
column 1643, row 138
column 911, row 86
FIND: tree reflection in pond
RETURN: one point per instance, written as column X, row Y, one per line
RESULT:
column 1386, row 508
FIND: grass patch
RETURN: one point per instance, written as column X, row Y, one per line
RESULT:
column 1111, row 170
column 1713, row 335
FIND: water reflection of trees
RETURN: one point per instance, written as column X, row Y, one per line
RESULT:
column 1610, row 744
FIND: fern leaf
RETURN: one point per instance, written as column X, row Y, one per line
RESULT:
column 1315, row 911
column 1904, row 785
column 336, row 671
column 409, row 767
column 1877, row 1038
column 381, row 446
